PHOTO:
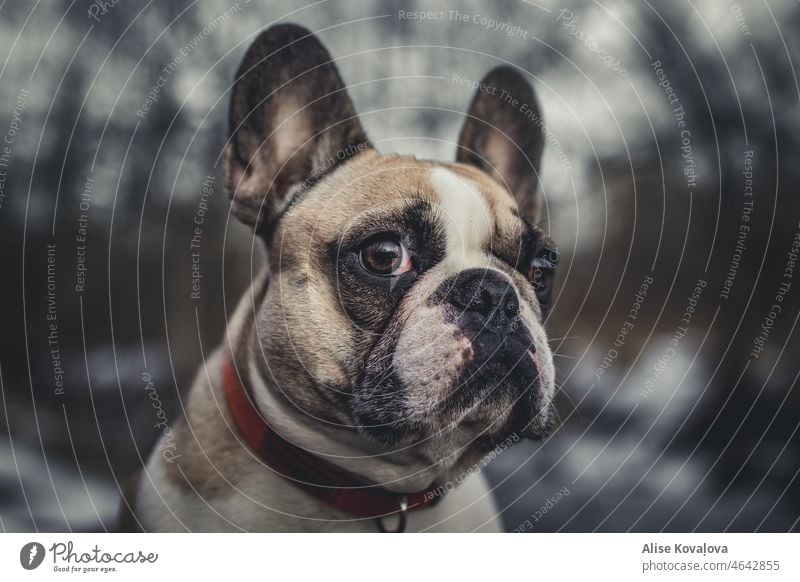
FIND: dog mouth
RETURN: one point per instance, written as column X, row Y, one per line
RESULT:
column 498, row 391
column 490, row 387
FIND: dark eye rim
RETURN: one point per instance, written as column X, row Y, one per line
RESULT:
column 541, row 272
column 547, row 257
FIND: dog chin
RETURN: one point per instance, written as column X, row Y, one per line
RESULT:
column 476, row 429
column 484, row 404
column 513, row 407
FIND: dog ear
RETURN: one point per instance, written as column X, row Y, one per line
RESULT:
column 290, row 121
column 503, row 136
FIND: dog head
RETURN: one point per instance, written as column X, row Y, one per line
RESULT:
column 405, row 298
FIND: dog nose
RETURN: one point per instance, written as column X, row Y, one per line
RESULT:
column 487, row 296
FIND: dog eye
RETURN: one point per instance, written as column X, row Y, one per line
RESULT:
column 542, row 272
column 385, row 256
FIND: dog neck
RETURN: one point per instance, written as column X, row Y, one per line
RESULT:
column 310, row 472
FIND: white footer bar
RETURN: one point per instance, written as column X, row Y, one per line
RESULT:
column 401, row 557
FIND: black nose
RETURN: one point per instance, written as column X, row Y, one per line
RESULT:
column 487, row 298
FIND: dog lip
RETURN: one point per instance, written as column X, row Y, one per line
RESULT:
column 485, row 344
column 541, row 425
column 536, row 428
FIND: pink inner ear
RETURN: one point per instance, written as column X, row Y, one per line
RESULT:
column 498, row 153
column 292, row 132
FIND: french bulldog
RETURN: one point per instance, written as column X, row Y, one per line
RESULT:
column 395, row 335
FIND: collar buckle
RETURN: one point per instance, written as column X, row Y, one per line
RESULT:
column 402, row 519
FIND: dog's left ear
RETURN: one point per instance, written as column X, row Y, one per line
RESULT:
column 290, row 121
column 503, row 135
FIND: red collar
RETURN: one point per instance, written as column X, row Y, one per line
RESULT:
column 309, row 472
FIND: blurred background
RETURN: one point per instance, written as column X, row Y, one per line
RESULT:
column 671, row 177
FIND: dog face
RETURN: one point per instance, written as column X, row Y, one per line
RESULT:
column 406, row 298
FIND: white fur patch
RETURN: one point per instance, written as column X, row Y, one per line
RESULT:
column 467, row 220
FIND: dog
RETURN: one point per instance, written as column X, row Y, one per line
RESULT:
column 395, row 336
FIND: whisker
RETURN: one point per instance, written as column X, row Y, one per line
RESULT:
column 558, row 415
column 561, row 390
column 566, row 337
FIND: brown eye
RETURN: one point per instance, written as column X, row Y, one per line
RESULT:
column 386, row 257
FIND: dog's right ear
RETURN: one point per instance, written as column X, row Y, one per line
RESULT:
column 503, row 136
column 290, row 121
